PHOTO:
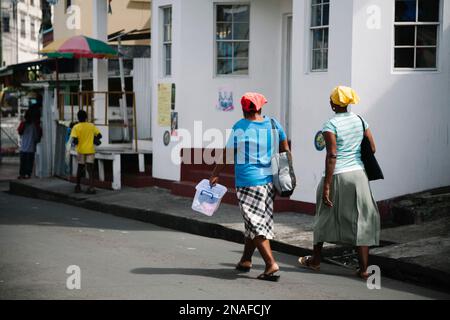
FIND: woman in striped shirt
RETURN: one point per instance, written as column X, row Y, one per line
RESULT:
column 346, row 212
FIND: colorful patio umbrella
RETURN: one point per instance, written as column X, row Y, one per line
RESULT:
column 79, row 47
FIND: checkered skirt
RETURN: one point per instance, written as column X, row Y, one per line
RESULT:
column 256, row 205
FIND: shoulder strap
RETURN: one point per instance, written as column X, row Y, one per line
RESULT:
column 364, row 126
column 274, row 128
column 273, row 124
column 362, row 121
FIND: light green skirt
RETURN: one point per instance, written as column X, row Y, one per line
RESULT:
column 354, row 219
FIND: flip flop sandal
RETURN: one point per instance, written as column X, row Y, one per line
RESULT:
column 269, row 277
column 240, row 267
column 306, row 262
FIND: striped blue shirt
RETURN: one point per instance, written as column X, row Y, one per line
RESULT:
column 348, row 129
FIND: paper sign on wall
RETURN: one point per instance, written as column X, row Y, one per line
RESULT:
column 164, row 104
column 225, row 99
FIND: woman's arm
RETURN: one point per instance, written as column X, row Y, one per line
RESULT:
column 369, row 136
column 330, row 164
column 222, row 154
column 284, row 146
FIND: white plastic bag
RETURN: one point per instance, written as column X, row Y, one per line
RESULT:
column 207, row 200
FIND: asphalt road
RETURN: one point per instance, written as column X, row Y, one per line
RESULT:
column 125, row 259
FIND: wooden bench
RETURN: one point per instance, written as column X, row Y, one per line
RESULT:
column 113, row 156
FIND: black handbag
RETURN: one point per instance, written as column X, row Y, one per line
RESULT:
column 371, row 165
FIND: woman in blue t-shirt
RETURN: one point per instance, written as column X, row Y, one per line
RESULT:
column 253, row 142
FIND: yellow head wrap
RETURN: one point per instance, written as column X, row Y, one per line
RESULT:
column 343, row 96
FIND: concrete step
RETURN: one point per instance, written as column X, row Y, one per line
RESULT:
column 422, row 207
column 139, row 180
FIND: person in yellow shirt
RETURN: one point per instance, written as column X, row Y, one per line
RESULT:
column 83, row 136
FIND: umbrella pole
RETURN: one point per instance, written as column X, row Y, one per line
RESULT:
column 57, row 87
column 124, row 106
column 81, row 81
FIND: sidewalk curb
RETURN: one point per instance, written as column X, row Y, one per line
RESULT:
column 165, row 220
column 392, row 268
column 413, row 273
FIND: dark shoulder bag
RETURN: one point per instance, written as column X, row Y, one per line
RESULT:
column 371, row 165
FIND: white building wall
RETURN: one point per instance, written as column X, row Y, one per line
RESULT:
column 163, row 168
column 15, row 47
column 193, row 70
column 310, row 90
column 409, row 112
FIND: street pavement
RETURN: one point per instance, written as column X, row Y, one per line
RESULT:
column 127, row 259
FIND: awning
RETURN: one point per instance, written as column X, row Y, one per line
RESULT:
column 142, row 34
column 26, row 64
column 6, row 71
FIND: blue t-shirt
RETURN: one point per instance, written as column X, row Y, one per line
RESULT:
column 254, row 145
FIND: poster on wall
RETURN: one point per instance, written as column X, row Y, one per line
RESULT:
column 225, row 99
column 164, row 104
column 174, row 124
column 172, row 105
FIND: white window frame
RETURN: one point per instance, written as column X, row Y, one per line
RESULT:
column 216, row 41
column 165, row 43
column 415, row 46
column 311, row 35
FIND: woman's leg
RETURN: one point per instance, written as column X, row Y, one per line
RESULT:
column 23, row 160
column 363, row 257
column 30, row 164
column 317, row 254
column 249, row 249
column 264, row 249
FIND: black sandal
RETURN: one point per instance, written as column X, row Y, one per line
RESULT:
column 269, row 277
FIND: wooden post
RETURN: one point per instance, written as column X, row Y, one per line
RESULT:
column 71, row 104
